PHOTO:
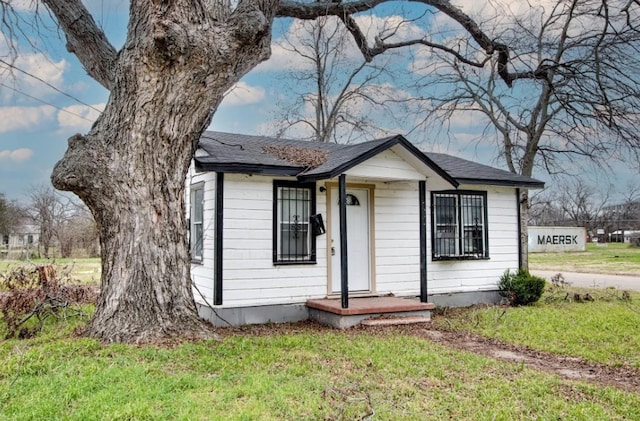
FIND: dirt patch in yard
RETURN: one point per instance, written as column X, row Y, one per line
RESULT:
column 626, row 378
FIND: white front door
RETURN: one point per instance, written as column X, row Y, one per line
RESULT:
column 358, row 242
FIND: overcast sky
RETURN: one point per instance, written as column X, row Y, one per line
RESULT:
column 48, row 97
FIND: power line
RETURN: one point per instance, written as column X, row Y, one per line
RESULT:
column 47, row 103
column 49, row 85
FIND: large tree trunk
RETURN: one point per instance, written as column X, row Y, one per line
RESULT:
column 130, row 169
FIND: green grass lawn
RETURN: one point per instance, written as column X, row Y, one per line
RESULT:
column 307, row 372
column 297, row 373
column 613, row 258
column 603, row 331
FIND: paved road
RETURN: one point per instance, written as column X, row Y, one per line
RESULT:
column 594, row 279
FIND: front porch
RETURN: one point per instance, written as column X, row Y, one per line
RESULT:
column 366, row 310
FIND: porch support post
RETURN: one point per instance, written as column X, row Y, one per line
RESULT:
column 218, row 237
column 422, row 187
column 519, row 212
column 344, row 266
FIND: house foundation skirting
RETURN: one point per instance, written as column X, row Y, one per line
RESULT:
column 289, row 313
column 238, row 316
column 465, row 299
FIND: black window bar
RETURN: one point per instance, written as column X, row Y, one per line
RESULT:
column 446, row 226
column 294, row 206
column 459, row 225
column 473, row 224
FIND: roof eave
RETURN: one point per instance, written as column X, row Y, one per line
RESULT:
column 247, row 168
column 533, row 184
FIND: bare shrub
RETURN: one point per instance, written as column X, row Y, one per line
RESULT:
column 29, row 293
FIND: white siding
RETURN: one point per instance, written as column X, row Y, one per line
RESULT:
column 202, row 273
column 397, row 251
column 478, row 275
column 250, row 278
column 397, row 237
column 386, row 165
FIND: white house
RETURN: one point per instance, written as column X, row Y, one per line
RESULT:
column 20, row 242
column 277, row 225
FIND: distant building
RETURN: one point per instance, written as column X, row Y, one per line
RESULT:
column 623, row 236
column 21, row 242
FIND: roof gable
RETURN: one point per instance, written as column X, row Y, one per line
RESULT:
column 344, row 159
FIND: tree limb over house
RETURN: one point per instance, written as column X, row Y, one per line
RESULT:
column 165, row 84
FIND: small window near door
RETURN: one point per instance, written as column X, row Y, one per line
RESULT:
column 196, row 234
column 459, row 225
column 293, row 239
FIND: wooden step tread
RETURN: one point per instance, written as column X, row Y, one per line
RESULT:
column 391, row 321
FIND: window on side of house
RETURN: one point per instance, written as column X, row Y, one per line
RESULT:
column 196, row 233
column 293, row 205
column 459, row 225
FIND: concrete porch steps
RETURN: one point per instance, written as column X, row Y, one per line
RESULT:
column 329, row 311
column 394, row 321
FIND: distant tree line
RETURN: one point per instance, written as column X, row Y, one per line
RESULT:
column 65, row 226
column 575, row 203
column 9, row 215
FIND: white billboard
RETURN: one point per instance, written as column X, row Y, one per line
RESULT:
column 558, row 239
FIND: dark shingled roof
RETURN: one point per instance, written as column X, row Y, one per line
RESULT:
column 469, row 172
column 238, row 153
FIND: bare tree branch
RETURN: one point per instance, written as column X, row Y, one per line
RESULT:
column 333, row 85
column 345, row 10
column 85, row 39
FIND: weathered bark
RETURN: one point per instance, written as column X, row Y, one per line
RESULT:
column 130, row 168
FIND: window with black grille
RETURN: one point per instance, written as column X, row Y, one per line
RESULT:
column 293, row 240
column 459, row 225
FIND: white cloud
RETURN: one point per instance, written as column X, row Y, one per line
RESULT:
column 464, row 119
column 24, row 118
column 488, row 9
column 496, row 16
column 16, row 155
column 243, row 94
column 282, row 59
column 23, row 5
column 43, row 68
column 79, row 117
column 32, row 75
column 393, row 28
